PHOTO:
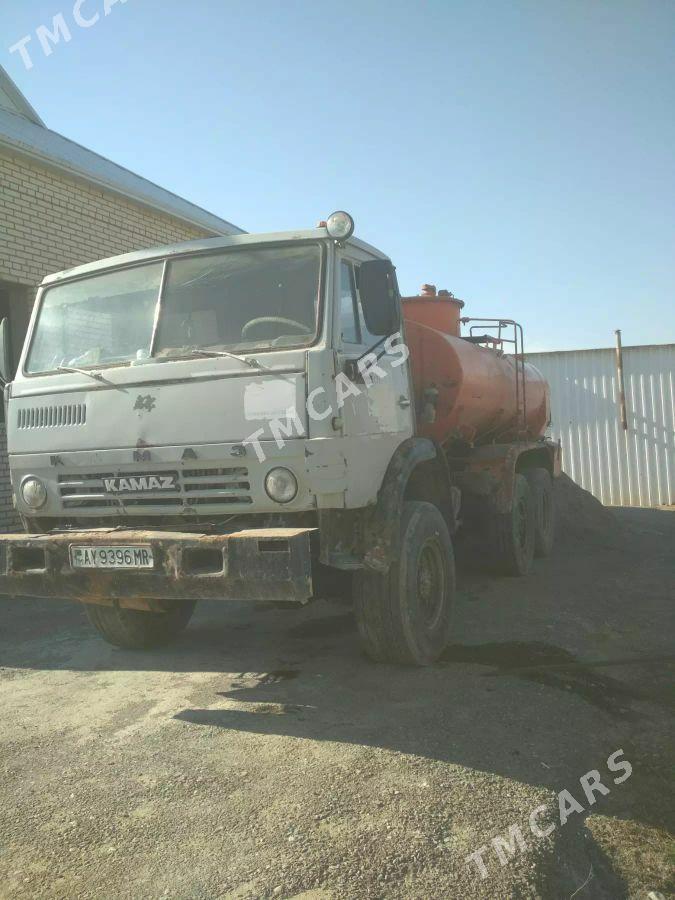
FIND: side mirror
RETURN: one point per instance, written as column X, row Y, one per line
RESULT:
column 5, row 353
column 379, row 296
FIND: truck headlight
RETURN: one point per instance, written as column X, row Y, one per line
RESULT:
column 281, row 485
column 340, row 225
column 33, row 492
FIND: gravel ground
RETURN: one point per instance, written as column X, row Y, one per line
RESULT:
column 261, row 756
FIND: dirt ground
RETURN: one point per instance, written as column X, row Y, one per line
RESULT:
column 262, row 756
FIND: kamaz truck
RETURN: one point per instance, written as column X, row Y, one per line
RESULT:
column 262, row 417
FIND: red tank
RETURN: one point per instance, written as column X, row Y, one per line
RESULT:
column 466, row 391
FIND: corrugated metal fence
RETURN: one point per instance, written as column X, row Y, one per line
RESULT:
column 632, row 467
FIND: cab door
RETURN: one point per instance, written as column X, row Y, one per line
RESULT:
column 373, row 380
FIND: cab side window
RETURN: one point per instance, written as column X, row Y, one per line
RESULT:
column 366, row 337
column 349, row 316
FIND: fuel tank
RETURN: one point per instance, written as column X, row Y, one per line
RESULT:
column 466, row 391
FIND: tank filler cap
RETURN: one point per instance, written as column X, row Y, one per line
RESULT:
column 448, row 295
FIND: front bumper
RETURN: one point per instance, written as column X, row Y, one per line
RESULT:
column 259, row 564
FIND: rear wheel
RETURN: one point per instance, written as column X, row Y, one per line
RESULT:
column 137, row 629
column 514, row 532
column 541, row 487
column 404, row 616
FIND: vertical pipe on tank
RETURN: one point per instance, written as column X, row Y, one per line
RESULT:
column 619, row 376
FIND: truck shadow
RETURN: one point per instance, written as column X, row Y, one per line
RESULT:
column 527, row 711
column 546, row 676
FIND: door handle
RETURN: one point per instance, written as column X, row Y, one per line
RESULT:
column 403, row 402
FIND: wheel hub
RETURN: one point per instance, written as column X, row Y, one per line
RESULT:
column 430, row 583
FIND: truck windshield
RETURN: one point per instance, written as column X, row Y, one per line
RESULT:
column 240, row 299
column 97, row 321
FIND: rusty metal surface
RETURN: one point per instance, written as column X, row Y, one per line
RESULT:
column 341, row 538
column 118, row 535
column 258, row 564
column 489, row 471
column 382, row 533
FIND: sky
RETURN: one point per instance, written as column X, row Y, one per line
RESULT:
column 520, row 154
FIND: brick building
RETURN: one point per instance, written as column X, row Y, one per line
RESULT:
column 62, row 205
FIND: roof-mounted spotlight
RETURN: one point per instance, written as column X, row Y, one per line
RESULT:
column 340, row 225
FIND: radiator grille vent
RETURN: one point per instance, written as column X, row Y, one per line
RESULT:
column 213, row 487
column 52, row 416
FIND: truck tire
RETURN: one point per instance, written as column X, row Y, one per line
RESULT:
column 514, row 532
column 404, row 615
column 137, row 629
column 544, row 510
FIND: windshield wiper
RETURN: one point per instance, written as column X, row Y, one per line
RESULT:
column 253, row 363
column 92, row 373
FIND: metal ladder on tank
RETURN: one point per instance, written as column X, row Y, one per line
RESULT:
column 508, row 332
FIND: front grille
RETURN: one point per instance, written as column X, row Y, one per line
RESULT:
column 213, row 487
column 52, row 416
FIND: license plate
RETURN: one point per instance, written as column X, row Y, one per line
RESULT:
column 111, row 557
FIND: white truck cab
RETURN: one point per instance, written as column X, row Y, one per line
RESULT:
column 219, row 354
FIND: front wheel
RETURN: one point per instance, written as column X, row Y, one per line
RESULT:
column 139, row 629
column 404, row 616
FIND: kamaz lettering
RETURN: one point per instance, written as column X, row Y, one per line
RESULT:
column 140, row 483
